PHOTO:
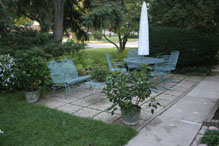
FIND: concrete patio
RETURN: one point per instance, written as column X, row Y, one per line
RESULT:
column 91, row 103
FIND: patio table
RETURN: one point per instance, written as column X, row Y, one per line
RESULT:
column 145, row 60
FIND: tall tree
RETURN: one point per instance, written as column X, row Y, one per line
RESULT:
column 58, row 20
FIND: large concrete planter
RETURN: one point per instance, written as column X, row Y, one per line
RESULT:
column 131, row 117
column 32, row 97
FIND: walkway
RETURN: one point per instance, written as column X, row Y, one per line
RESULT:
column 180, row 123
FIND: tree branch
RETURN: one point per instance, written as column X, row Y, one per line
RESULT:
column 111, row 41
column 32, row 18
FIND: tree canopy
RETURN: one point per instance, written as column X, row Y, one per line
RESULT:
column 200, row 15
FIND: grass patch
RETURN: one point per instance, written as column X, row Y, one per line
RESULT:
column 99, row 57
column 27, row 124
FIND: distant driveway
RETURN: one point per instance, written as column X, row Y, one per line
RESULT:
column 109, row 45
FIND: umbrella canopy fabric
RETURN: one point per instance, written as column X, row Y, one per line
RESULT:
column 143, row 42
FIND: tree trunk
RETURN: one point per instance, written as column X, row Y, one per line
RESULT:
column 122, row 42
column 58, row 20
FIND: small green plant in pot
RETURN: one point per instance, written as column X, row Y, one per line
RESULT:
column 99, row 73
column 127, row 91
column 31, row 74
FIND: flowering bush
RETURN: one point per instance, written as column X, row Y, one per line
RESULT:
column 7, row 78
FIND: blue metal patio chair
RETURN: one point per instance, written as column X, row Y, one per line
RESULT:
column 170, row 63
column 111, row 67
column 65, row 73
column 133, row 53
column 166, row 67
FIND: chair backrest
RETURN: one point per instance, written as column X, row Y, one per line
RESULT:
column 68, row 68
column 133, row 53
column 173, row 59
column 62, row 70
column 109, row 61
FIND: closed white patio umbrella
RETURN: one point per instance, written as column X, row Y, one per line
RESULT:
column 143, row 42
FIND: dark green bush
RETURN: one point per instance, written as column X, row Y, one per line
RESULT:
column 211, row 138
column 97, row 35
column 42, row 43
column 196, row 49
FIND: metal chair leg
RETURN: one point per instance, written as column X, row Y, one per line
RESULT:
column 53, row 90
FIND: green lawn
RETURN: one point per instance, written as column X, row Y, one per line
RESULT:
column 98, row 55
column 27, row 124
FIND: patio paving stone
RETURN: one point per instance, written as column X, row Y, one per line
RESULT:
column 51, row 103
column 83, row 102
column 193, row 78
column 103, row 105
column 185, row 84
column 164, row 102
column 95, row 97
column 145, row 114
column 166, row 97
column 82, row 94
column 64, row 99
column 179, row 89
column 178, row 77
column 88, row 113
column 147, row 109
column 69, row 108
column 173, row 93
column 140, row 123
column 107, row 117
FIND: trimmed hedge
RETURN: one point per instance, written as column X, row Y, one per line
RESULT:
column 196, row 49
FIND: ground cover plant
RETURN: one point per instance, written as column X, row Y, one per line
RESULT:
column 211, row 138
column 31, row 124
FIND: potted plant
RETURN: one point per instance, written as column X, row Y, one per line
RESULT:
column 127, row 91
column 32, row 75
column 99, row 73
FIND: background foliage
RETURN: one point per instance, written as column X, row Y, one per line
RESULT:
column 196, row 48
column 40, row 44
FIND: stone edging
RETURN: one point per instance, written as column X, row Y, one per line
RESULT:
column 210, row 121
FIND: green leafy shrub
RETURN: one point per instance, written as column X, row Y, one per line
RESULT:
column 100, row 73
column 196, row 49
column 43, row 43
column 126, row 90
column 31, row 72
column 211, row 138
column 97, row 35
